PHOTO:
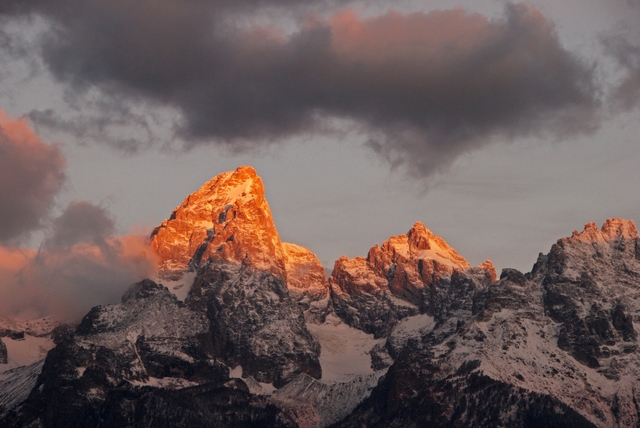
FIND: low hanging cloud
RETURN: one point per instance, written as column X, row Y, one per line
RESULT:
column 31, row 174
column 81, row 264
column 425, row 87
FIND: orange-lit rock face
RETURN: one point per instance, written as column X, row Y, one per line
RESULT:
column 355, row 275
column 305, row 274
column 613, row 228
column 416, row 273
column 420, row 257
column 403, row 264
column 228, row 218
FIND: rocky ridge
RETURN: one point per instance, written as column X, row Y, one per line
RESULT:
column 553, row 347
column 225, row 232
column 412, row 274
column 126, row 363
column 228, row 220
column 411, row 335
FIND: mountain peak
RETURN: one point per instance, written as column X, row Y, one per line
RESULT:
column 227, row 218
column 403, row 277
column 613, row 228
column 421, row 243
column 618, row 227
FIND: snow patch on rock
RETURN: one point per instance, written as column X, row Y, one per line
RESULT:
column 411, row 327
column 25, row 351
column 166, row 382
column 344, row 351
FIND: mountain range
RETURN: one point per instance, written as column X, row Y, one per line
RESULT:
column 240, row 329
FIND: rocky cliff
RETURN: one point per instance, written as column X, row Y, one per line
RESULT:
column 148, row 361
column 225, row 232
column 416, row 273
column 228, row 220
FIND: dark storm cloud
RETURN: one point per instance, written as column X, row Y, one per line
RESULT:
column 426, row 87
column 31, row 174
column 81, row 264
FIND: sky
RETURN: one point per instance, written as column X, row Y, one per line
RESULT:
column 502, row 126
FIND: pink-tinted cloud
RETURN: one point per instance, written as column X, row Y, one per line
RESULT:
column 82, row 262
column 12, row 260
column 76, row 268
column 421, row 36
column 31, row 174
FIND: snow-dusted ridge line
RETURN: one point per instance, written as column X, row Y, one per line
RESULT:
column 558, row 343
column 251, row 318
column 37, row 327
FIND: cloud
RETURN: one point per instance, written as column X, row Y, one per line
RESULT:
column 31, row 174
column 107, row 122
column 82, row 222
column 81, row 264
column 426, row 87
column 13, row 259
column 626, row 94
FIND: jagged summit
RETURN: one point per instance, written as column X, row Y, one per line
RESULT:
column 613, row 228
column 410, row 260
column 228, row 218
column 401, row 278
column 421, row 244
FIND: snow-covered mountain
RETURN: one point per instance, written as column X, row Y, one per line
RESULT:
column 241, row 329
column 553, row 347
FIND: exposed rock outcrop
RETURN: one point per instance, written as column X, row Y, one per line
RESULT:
column 307, row 282
column 591, row 288
column 227, row 219
column 255, row 323
column 406, row 276
column 225, row 232
column 3, row 353
column 150, row 338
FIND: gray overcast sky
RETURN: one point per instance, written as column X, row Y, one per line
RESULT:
column 502, row 132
